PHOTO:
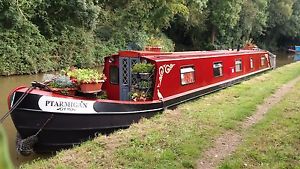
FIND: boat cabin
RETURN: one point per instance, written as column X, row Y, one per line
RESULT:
column 177, row 73
column 294, row 49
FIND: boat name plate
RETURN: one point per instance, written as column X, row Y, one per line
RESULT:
column 63, row 105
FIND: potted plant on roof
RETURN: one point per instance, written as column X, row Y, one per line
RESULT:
column 63, row 85
column 90, row 81
column 144, row 70
column 72, row 73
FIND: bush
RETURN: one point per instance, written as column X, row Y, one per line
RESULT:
column 41, row 36
column 24, row 51
column 75, row 47
column 161, row 41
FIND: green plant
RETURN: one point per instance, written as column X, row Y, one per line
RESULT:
column 61, row 81
column 144, row 84
column 139, row 95
column 71, row 72
column 103, row 95
column 143, row 68
column 5, row 161
column 89, row 76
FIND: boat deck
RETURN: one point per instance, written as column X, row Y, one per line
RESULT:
column 169, row 56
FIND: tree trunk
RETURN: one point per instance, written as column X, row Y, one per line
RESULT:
column 213, row 35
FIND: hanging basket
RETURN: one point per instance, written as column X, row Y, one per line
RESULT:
column 144, row 76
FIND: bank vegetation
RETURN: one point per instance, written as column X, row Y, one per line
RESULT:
column 46, row 35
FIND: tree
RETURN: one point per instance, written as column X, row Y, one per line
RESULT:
column 224, row 16
column 280, row 15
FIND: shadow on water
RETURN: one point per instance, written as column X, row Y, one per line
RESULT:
column 297, row 57
column 9, row 83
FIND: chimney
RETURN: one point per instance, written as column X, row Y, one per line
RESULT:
column 153, row 48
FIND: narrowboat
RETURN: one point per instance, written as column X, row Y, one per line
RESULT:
column 294, row 49
column 297, row 57
column 47, row 121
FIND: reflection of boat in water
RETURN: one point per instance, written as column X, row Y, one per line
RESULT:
column 55, row 121
column 297, row 57
column 294, row 49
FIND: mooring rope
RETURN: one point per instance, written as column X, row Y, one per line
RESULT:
column 16, row 104
column 25, row 146
column 47, row 121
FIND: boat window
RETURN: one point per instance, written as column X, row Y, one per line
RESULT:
column 238, row 65
column 114, row 74
column 251, row 63
column 218, row 69
column 262, row 60
column 187, row 75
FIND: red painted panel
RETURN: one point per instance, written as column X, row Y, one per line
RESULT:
column 112, row 90
column 171, row 83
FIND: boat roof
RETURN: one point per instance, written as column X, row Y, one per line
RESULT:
column 169, row 56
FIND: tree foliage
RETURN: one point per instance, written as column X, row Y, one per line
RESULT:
column 44, row 35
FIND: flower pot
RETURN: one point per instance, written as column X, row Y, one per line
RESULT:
column 144, row 76
column 91, row 87
column 135, row 75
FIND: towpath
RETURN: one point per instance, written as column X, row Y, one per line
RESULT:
column 226, row 144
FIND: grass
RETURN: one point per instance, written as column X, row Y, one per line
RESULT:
column 5, row 161
column 174, row 139
column 275, row 141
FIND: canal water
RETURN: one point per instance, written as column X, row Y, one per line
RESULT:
column 9, row 83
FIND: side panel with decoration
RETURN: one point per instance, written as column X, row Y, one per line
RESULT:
column 181, row 76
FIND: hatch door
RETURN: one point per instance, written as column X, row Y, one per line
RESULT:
column 126, row 78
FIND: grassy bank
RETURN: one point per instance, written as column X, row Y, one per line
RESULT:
column 174, row 139
column 275, row 141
